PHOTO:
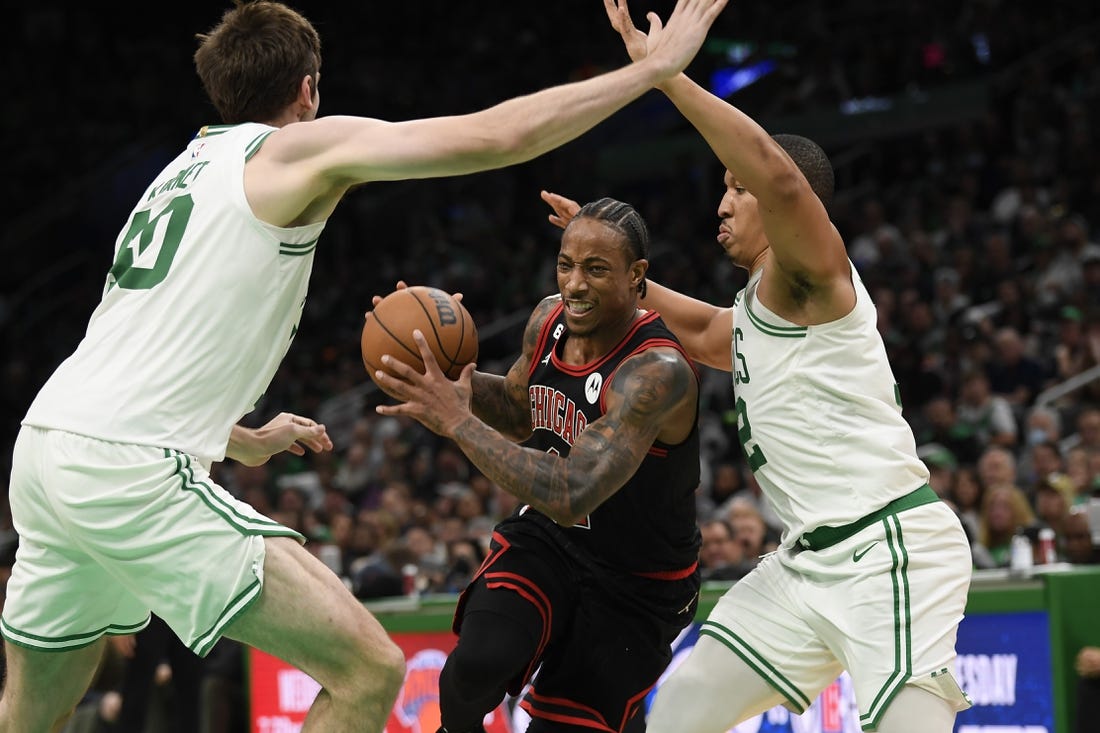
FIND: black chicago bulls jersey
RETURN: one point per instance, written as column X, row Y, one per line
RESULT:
column 648, row 526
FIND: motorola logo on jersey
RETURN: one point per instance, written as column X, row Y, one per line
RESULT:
column 592, row 387
column 552, row 410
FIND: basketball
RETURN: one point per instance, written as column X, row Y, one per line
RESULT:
column 446, row 324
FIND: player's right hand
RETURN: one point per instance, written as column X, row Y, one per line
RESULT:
column 635, row 41
column 564, row 209
column 672, row 46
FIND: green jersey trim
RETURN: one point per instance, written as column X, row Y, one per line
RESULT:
column 254, row 147
column 297, row 250
column 211, row 130
column 791, row 332
column 823, row 537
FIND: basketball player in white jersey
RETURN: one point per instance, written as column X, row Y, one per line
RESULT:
column 873, row 571
column 111, row 493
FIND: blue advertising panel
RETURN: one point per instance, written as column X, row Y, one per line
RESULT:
column 1004, row 665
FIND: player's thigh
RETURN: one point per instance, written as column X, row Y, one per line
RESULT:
column 914, row 710
column 763, row 620
column 307, row 617
column 612, row 652
column 894, row 624
column 59, row 596
column 890, row 606
column 711, row 689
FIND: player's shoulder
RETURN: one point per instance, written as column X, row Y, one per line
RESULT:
column 544, row 311
column 660, row 361
column 657, row 381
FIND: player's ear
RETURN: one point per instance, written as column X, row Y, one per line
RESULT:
column 307, row 90
column 638, row 270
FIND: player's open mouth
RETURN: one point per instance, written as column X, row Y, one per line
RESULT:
column 577, row 308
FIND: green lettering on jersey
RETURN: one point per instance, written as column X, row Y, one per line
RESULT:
column 740, row 367
column 166, row 228
column 754, row 455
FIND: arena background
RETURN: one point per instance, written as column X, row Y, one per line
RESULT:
column 931, row 112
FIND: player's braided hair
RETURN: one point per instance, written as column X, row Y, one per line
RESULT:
column 812, row 161
column 625, row 219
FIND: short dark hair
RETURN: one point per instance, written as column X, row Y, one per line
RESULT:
column 812, row 161
column 624, row 219
column 252, row 62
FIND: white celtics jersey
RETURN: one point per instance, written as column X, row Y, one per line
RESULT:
column 819, row 414
column 199, row 308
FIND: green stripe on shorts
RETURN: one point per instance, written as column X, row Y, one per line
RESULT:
column 244, row 523
column 205, row 642
column 903, row 640
column 64, row 643
column 797, row 699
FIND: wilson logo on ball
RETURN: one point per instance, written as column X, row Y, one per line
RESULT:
column 444, row 310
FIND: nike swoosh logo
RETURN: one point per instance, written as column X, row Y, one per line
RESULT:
column 857, row 555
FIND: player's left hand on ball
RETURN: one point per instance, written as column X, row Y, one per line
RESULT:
column 401, row 285
column 376, row 299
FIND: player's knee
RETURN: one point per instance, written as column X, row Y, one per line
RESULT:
column 470, row 673
column 391, row 667
column 369, row 667
column 385, row 668
column 494, row 650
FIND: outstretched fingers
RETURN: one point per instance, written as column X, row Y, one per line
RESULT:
column 677, row 42
column 564, row 209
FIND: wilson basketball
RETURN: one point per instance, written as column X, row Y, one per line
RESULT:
column 446, row 324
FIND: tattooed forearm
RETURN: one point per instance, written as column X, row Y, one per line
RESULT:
column 533, row 476
column 493, row 402
column 646, row 390
column 502, row 402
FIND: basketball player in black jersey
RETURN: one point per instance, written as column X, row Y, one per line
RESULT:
column 590, row 581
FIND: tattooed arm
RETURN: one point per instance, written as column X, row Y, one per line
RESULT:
column 652, row 395
column 502, row 402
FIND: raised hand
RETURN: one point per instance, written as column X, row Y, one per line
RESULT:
column 672, row 46
column 564, row 209
column 634, row 40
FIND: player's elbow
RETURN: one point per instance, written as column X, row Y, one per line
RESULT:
column 491, row 143
column 571, row 510
column 584, row 496
column 510, row 146
column 788, row 185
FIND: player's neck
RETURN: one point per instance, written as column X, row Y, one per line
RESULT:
column 585, row 348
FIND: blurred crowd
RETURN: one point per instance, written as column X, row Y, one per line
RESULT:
column 979, row 241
